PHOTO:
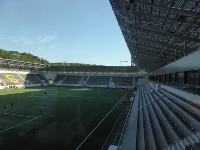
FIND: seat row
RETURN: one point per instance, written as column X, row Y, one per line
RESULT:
column 164, row 120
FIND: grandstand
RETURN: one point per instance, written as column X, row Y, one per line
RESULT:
column 152, row 104
column 163, row 39
column 122, row 81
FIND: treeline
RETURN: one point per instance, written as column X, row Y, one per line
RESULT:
column 27, row 57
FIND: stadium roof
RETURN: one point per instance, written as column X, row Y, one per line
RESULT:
column 15, row 64
column 21, row 65
column 158, row 32
column 95, row 69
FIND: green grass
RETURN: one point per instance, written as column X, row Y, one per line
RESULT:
column 66, row 118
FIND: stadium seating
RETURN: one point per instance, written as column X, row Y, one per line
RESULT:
column 70, row 79
column 98, row 80
column 41, row 77
column 93, row 80
column 123, row 81
column 19, row 79
column 165, row 120
column 59, row 78
column 31, row 78
column 11, row 79
column 83, row 80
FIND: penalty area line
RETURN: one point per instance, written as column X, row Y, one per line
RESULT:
column 19, row 124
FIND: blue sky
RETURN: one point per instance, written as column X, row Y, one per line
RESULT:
column 84, row 31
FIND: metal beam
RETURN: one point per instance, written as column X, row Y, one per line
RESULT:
column 176, row 10
column 134, row 49
column 122, row 16
column 165, row 33
column 147, row 53
column 152, row 49
column 139, row 26
column 154, row 30
column 168, row 48
column 163, row 44
column 144, row 15
column 139, row 50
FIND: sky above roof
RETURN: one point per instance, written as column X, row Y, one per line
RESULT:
column 84, row 31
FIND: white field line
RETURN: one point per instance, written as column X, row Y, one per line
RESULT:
column 16, row 115
column 19, row 124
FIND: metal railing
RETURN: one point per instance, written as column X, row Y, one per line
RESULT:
column 124, row 127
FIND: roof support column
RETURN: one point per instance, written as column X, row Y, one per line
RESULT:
column 194, row 5
column 184, row 47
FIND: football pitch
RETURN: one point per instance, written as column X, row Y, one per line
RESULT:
column 59, row 120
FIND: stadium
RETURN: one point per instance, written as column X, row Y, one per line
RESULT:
column 152, row 104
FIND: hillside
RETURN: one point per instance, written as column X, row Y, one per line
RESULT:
column 27, row 57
